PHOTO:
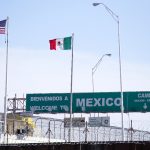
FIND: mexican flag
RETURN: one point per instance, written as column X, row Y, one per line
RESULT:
column 61, row 43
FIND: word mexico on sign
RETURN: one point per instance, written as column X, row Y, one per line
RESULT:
column 104, row 102
column 96, row 102
column 48, row 103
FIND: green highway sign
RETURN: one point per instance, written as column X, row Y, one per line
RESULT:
column 48, row 103
column 137, row 101
column 103, row 102
column 96, row 102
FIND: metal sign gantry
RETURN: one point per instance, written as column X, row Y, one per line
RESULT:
column 16, row 104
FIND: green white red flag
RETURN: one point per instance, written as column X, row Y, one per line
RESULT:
column 61, row 43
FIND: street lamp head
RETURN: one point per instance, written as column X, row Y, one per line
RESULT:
column 95, row 4
column 108, row 54
column 114, row 16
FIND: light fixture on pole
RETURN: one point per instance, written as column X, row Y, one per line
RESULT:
column 95, row 68
column 116, row 19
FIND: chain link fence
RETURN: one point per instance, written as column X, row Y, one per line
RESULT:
column 53, row 130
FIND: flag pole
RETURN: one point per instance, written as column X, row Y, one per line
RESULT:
column 71, row 94
column 5, row 98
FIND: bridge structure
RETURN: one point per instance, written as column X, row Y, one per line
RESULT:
column 53, row 129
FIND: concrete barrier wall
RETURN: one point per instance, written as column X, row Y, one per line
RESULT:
column 79, row 146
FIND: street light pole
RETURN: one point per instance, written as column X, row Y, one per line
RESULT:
column 93, row 71
column 116, row 19
column 95, row 68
